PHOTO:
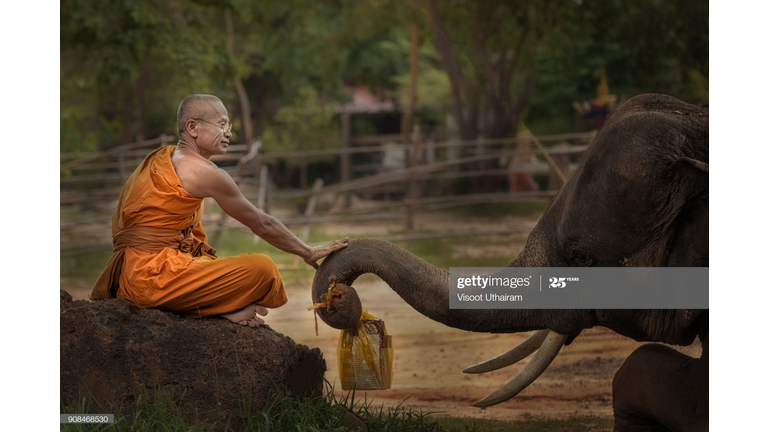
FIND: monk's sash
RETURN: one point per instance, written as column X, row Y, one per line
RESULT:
column 147, row 239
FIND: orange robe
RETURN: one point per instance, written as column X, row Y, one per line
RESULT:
column 161, row 260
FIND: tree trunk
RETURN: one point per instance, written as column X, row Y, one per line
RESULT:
column 345, row 165
column 407, row 122
column 126, row 115
column 303, row 175
column 141, row 88
column 489, row 107
column 453, row 69
column 242, row 95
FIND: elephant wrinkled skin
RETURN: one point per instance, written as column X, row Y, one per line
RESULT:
column 640, row 197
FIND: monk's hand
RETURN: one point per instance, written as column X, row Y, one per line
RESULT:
column 320, row 252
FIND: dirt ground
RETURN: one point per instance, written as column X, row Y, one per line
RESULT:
column 430, row 357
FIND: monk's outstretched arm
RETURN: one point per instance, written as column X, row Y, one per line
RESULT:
column 226, row 193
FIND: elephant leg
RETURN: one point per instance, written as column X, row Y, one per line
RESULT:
column 659, row 389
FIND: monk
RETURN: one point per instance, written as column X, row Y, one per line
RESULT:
column 160, row 257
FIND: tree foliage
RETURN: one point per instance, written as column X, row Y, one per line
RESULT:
column 126, row 64
column 306, row 123
column 488, row 50
column 649, row 46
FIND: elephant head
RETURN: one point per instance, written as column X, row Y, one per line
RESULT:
column 640, row 197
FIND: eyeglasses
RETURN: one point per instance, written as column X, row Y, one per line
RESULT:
column 222, row 127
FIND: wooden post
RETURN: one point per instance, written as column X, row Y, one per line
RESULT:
column 261, row 201
column 452, row 137
column 429, row 155
column 418, row 150
column 208, row 206
column 256, row 163
column 164, row 139
column 559, row 163
column 263, row 184
column 553, row 165
column 480, row 150
column 304, row 234
column 253, row 150
column 412, row 190
column 123, row 171
column 346, row 135
column 303, row 168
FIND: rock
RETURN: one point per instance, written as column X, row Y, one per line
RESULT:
column 109, row 348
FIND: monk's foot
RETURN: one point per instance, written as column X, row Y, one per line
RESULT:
column 247, row 315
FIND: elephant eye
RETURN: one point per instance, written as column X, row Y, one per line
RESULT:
column 579, row 258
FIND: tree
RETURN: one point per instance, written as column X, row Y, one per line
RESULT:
column 485, row 47
column 126, row 56
column 649, row 46
column 308, row 123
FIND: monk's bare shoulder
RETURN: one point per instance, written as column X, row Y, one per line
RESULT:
column 198, row 176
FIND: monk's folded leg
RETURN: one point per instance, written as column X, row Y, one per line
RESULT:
column 222, row 285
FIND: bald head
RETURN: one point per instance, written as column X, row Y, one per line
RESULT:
column 199, row 106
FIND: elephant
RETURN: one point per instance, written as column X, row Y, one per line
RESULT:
column 639, row 198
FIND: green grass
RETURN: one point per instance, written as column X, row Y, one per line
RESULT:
column 454, row 251
column 285, row 412
column 235, row 241
column 84, row 265
column 440, row 252
column 443, row 253
column 150, row 414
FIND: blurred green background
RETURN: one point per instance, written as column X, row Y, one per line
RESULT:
column 127, row 64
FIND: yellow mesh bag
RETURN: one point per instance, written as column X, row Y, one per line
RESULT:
column 365, row 355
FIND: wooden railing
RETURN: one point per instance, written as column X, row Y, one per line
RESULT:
column 97, row 178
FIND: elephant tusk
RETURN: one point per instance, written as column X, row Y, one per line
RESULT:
column 532, row 370
column 526, row 348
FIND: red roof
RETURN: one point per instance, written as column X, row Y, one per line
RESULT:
column 364, row 102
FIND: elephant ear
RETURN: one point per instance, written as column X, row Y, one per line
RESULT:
column 689, row 246
column 688, row 241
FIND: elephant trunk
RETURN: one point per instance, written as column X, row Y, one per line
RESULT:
column 426, row 289
column 423, row 286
